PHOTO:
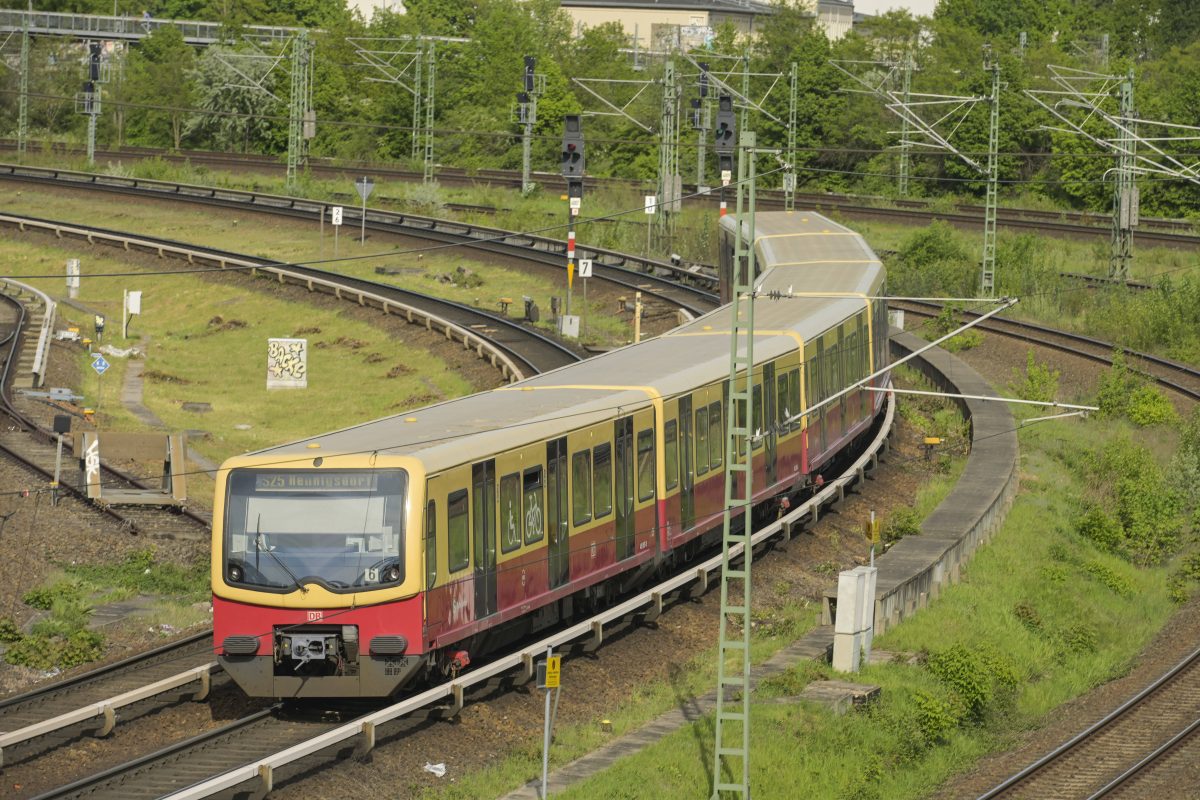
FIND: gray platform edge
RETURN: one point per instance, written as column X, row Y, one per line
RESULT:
column 916, row 568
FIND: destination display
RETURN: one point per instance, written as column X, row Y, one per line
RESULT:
column 316, row 482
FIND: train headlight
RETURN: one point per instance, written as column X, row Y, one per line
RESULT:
column 236, row 574
column 391, row 574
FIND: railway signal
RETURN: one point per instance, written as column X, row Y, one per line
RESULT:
column 723, row 143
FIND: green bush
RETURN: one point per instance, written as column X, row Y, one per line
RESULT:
column 946, row 321
column 1136, row 513
column 1095, row 524
column 936, row 718
column 41, row 650
column 983, row 680
column 1149, row 406
column 1110, row 578
column 900, row 523
column 9, row 632
column 1184, row 578
column 1028, row 616
column 1078, row 639
column 1038, row 382
column 1126, row 393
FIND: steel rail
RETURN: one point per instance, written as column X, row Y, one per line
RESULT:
column 1092, row 730
column 512, row 364
column 1037, row 334
column 42, row 356
column 100, row 672
column 1086, row 221
column 107, row 708
column 695, row 290
column 84, row 786
column 1148, row 761
column 365, row 727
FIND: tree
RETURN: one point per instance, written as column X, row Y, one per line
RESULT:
column 160, row 82
column 235, row 112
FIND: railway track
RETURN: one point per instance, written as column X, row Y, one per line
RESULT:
column 57, row 714
column 691, row 289
column 1173, row 376
column 1167, row 232
column 26, row 442
column 1121, row 752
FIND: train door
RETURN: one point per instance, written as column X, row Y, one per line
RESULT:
column 769, row 420
column 626, row 463
column 557, row 508
column 687, row 470
column 483, row 496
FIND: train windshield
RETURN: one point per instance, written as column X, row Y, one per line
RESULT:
column 340, row 528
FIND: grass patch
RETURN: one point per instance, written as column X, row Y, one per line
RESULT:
column 60, row 639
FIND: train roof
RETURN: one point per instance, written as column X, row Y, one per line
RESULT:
column 804, row 252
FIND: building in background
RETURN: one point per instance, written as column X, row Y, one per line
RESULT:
column 671, row 24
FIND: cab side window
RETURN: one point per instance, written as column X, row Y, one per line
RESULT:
column 430, row 544
column 671, row 457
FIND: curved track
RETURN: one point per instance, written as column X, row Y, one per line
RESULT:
column 1168, row 232
column 1107, row 758
column 692, row 291
column 1175, row 376
column 529, row 351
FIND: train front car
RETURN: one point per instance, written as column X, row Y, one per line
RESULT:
column 314, row 594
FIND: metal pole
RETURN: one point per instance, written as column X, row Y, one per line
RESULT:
column 987, row 287
column 1124, row 189
column 546, row 739
column 418, row 66
column 733, row 650
column 906, row 88
column 23, row 106
column 430, row 83
column 363, row 222
column 57, row 472
column 297, row 106
column 570, row 253
column 667, row 159
column 789, row 179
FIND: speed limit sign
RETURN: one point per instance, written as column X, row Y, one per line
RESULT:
column 585, row 268
column 336, row 214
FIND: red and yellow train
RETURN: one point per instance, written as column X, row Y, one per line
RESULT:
column 355, row 563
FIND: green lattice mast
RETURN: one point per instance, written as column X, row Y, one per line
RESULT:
column 731, row 751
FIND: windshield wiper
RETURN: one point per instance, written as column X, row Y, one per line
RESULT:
column 259, row 544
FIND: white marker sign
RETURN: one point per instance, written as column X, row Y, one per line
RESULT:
column 585, row 268
column 336, row 215
column 287, row 363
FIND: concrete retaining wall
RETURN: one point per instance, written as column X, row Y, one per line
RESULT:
column 916, row 568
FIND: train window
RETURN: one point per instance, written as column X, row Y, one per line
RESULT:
column 430, row 544
column 602, row 480
column 581, row 487
column 671, row 457
column 645, row 452
column 759, row 422
column 534, row 519
column 702, row 441
column 510, row 512
column 740, row 441
column 458, row 548
column 716, row 436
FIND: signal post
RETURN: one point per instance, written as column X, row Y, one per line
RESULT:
column 572, row 170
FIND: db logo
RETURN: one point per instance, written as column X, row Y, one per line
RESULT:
column 316, row 616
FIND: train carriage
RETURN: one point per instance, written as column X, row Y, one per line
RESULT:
column 356, row 562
